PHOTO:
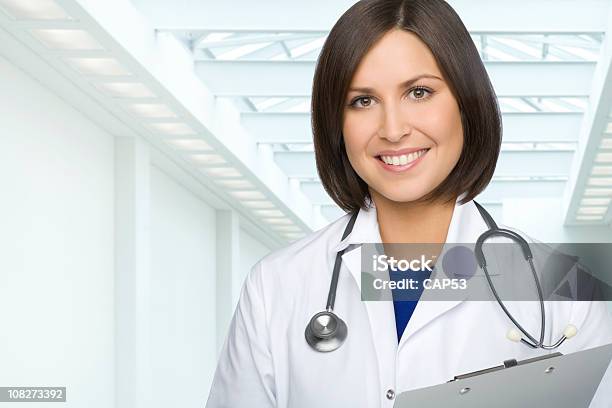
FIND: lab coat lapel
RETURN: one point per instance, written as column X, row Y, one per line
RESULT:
column 380, row 313
column 465, row 227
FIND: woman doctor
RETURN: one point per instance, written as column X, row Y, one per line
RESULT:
column 407, row 131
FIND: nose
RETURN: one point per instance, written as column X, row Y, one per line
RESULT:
column 395, row 124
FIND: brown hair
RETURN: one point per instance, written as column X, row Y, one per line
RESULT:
column 441, row 29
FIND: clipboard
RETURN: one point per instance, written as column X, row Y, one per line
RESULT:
column 556, row 380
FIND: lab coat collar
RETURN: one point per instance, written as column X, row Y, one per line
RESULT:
column 366, row 230
column 465, row 227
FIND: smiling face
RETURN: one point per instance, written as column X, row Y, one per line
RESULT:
column 398, row 102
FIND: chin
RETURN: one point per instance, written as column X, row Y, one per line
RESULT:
column 403, row 197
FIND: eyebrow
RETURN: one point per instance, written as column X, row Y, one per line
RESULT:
column 402, row 85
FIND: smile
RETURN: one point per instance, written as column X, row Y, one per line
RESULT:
column 403, row 162
column 403, row 159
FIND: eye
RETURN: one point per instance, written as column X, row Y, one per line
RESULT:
column 420, row 93
column 361, row 102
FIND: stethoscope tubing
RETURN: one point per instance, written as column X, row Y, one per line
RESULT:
column 494, row 230
column 331, row 296
column 324, row 339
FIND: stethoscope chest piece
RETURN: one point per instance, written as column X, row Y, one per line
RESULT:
column 326, row 331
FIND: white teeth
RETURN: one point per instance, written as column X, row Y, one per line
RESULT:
column 403, row 159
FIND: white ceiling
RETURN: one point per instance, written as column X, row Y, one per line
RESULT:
column 223, row 89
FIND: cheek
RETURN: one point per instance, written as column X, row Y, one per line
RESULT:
column 444, row 123
column 455, row 131
column 357, row 131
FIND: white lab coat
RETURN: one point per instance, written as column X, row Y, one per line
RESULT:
column 266, row 362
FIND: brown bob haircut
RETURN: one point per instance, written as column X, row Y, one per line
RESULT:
column 441, row 29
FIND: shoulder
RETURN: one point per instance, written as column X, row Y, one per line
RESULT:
column 314, row 245
column 285, row 270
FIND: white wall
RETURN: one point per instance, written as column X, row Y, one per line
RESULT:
column 56, row 245
column 182, row 294
column 66, row 315
column 542, row 218
column 251, row 251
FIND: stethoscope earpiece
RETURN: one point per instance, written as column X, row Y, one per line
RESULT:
column 513, row 335
column 569, row 332
column 327, row 332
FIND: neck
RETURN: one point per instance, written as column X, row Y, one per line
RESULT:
column 410, row 222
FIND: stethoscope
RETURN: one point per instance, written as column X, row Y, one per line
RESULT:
column 326, row 331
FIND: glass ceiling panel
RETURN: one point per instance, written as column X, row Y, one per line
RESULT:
column 539, row 47
column 305, row 46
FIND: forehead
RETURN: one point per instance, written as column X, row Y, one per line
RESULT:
column 397, row 56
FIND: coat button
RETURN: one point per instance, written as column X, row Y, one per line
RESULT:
column 390, row 394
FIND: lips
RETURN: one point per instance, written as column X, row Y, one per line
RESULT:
column 401, row 163
column 402, row 159
column 407, row 150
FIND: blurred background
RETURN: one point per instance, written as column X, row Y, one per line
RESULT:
column 152, row 151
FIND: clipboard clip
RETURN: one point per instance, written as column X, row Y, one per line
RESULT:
column 507, row 364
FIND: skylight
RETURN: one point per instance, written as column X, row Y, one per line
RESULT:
column 492, row 46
